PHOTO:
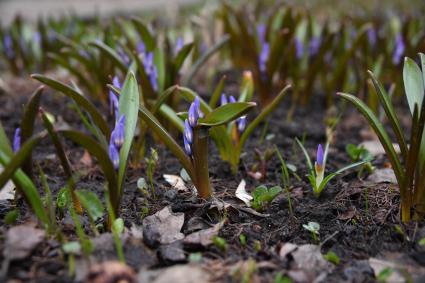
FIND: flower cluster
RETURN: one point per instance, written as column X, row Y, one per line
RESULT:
column 241, row 122
column 148, row 62
column 194, row 114
column 117, row 135
column 116, row 141
column 399, row 49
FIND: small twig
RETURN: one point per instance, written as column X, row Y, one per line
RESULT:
column 328, row 238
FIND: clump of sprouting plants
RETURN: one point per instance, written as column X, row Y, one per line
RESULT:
column 146, row 72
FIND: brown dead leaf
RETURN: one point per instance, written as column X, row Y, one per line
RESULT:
column 21, row 241
column 348, row 214
column 163, row 227
column 203, row 237
column 86, row 159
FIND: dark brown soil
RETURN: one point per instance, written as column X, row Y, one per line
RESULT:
column 353, row 232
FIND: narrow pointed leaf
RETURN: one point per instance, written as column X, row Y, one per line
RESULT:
column 226, row 113
column 111, row 54
column 413, row 83
column 182, row 55
column 78, row 98
column 217, row 92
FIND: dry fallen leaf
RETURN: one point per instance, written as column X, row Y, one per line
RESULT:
column 242, row 194
column 163, row 227
column 86, row 159
column 385, row 175
column 21, row 241
column 111, row 271
column 8, row 191
column 203, row 237
column 176, row 182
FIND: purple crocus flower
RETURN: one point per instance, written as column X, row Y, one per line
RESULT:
column 193, row 115
column 118, row 134
column 187, row 146
column 314, row 45
column 114, row 155
column 223, row 99
column 264, row 55
column 17, row 140
column 188, row 132
column 399, row 49
column 299, row 48
column 319, row 155
column 179, row 45
column 232, row 99
column 241, row 124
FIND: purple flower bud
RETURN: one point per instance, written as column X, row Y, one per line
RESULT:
column 371, row 36
column 399, row 49
column 193, row 115
column 140, row 48
column 319, row 155
column 17, row 140
column 116, row 82
column 264, row 55
column 232, row 99
column 187, row 146
column 314, row 45
column 299, row 48
column 261, row 32
column 118, row 134
column 114, row 155
column 188, row 132
column 198, row 107
column 151, row 70
column 8, row 46
column 241, row 124
column 223, row 99
column 179, row 45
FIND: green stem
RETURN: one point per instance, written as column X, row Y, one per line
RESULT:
column 405, row 211
column 200, row 162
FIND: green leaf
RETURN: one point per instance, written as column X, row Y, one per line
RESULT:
column 72, row 247
column 413, row 83
column 217, row 92
column 102, row 156
column 128, row 106
column 307, row 157
column 162, row 98
column 13, row 172
column 79, row 99
column 264, row 113
column 27, row 124
column 226, row 113
column 332, row 257
column 118, row 226
column 110, row 53
column 392, row 116
column 201, row 61
column 182, row 55
column 144, row 33
column 189, row 95
column 4, row 142
column 166, row 138
column 91, row 203
column 380, row 132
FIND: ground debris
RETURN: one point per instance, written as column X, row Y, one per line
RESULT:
column 188, row 273
column 21, row 241
column 163, row 227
